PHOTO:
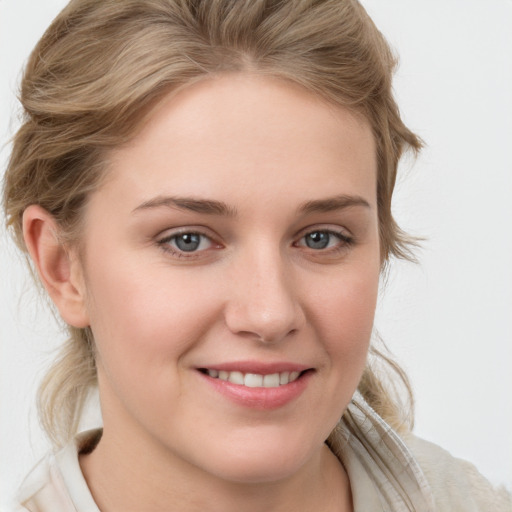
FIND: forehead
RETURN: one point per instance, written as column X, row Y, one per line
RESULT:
column 249, row 130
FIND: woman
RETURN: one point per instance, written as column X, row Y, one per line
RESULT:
column 204, row 189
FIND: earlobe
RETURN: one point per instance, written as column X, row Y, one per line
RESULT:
column 59, row 270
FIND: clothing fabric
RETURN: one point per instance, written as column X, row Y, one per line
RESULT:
column 409, row 474
column 386, row 473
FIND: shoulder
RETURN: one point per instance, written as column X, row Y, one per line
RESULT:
column 455, row 483
column 43, row 489
column 56, row 484
column 37, row 488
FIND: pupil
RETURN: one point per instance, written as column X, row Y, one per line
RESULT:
column 317, row 240
column 188, row 242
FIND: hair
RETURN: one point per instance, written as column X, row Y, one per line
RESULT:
column 103, row 66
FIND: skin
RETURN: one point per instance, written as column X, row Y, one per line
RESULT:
column 252, row 291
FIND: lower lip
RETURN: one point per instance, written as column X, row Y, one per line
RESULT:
column 260, row 398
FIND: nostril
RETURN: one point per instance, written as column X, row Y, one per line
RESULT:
column 277, row 337
column 264, row 318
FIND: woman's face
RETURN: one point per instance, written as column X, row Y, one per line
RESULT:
column 231, row 267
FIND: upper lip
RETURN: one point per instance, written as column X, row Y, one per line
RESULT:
column 257, row 367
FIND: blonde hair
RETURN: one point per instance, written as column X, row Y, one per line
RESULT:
column 103, row 65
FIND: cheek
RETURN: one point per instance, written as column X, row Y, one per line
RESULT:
column 344, row 314
column 144, row 320
column 144, row 328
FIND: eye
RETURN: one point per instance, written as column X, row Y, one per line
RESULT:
column 186, row 242
column 324, row 239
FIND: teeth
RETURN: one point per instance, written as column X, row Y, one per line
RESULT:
column 252, row 380
column 271, row 381
column 236, row 377
column 255, row 380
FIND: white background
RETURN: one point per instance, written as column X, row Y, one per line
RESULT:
column 448, row 320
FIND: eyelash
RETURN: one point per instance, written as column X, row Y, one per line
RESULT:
column 164, row 243
column 345, row 241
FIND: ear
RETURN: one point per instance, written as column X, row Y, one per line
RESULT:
column 59, row 269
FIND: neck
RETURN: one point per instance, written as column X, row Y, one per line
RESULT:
column 132, row 477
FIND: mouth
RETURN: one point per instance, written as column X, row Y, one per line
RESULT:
column 254, row 380
column 257, row 385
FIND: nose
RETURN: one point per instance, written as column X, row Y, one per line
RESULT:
column 264, row 302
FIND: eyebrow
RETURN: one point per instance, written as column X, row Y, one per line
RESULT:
column 330, row 204
column 207, row 206
column 213, row 207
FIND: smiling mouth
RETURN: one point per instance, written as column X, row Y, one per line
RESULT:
column 254, row 380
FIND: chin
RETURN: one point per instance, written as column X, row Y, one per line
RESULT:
column 251, row 470
column 262, row 459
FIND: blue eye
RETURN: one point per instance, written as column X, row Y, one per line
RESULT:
column 318, row 239
column 186, row 242
column 324, row 239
